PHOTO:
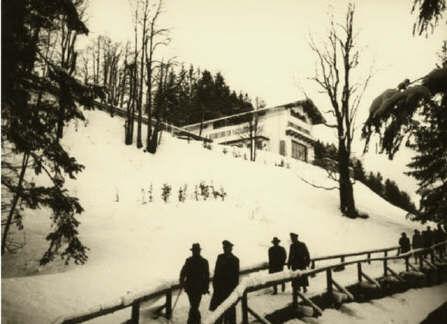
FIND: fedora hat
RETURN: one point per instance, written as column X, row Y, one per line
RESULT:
column 276, row 240
column 195, row 246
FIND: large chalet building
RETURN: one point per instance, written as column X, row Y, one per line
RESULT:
column 285, row 129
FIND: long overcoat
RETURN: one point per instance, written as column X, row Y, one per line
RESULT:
column 277, row 258
column 299, row 259
column 226, row 278
column 195, row 275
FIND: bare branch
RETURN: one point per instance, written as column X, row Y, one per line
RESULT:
column 316, row 186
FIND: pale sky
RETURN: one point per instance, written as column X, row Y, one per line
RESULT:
column 261, row 46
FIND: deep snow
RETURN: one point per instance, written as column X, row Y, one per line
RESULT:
column 410, row 307
column 136, row 246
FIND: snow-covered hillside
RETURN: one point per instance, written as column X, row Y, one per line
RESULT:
column 136, row 246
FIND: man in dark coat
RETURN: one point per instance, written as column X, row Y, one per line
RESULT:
column 277, row 259
column 440, row 236
column 194, row 278
column 404, row 243
column 427, row 237
column 299, row 259
column 226, row 278
column 416, row 243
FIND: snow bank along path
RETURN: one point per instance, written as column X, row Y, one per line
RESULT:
column 135, row 246
column 410, row 307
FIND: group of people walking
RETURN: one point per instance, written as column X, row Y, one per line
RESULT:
column 424, row 240
column 195, row 275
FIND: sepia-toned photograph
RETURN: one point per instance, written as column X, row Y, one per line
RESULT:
column 233, row 161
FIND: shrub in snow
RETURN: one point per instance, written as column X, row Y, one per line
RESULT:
column 165, row 192
column 182, row 193
column 224, row 151
column 149, row 194
column 204, row 190
column 196, row 193
column 221, row 193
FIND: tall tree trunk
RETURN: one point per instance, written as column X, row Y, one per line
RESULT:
column 149, row 96
column 15, row 201
column 347, row 204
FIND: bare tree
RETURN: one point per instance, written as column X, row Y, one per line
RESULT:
column 165, row 98
column 336, row 60
column 253, row 128
column 157, row 37
column 67, row 56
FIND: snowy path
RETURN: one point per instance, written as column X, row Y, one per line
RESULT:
column 262, row 302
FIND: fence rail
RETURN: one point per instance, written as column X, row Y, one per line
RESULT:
column 240, row 294
column 175, row 130
column 135, row 302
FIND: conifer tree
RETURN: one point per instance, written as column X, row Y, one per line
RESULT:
column 40, row 95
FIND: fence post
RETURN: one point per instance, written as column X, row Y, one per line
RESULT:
column 359, row 272
column 341, row 268
column 135, row 319
column 369, row 258
column 312, row 266
column 169, row 304
column 244, row 307
column 294, row 295
column 329, row 281
column 385, row 267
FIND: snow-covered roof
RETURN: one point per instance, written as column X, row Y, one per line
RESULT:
column 309, row 108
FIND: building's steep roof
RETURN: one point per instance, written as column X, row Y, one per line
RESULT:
column 310, row 109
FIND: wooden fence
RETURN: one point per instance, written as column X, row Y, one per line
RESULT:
column 243, row 291
column 167, row 293
column 174, row 130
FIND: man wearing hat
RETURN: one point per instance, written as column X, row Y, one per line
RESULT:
column 226, row 278
column 299, row 259
column 277, row 259
column 194, row 278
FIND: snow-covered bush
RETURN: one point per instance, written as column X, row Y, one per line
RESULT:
column 196, row 193
column 204, row 190
column 182, row 193
column 149, row 194
column 165, row 192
